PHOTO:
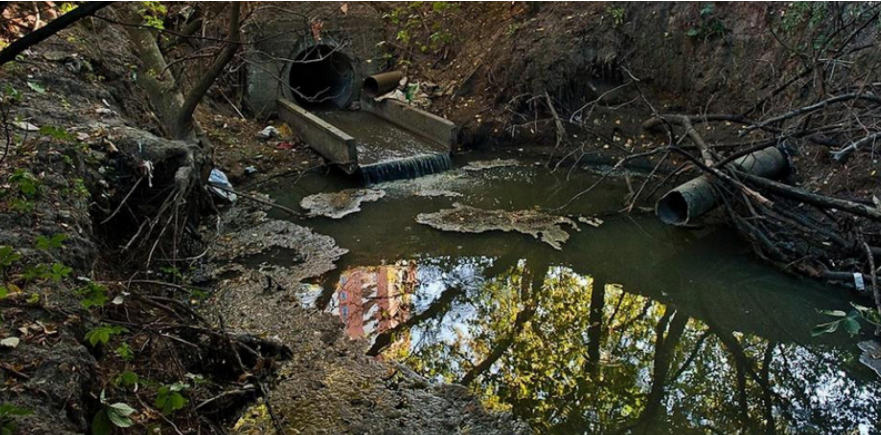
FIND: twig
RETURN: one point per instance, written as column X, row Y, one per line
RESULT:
column 119, row 207
column 876, row 292
column 254, row 198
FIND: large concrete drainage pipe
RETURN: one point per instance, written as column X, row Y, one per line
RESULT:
column 322, row 77
column 696, row 197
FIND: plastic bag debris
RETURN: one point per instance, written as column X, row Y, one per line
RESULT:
column 268, row 133
column 218, row 178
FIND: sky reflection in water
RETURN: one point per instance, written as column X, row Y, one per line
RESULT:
column 632, row 328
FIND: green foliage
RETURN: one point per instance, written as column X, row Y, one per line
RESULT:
column 66, row 7
column 798, row 13
column 48, row 243
column 710, row 26
column 25, row 188
column 8, row 257
column 37, row 88
column 115, row 414
column 170, row 399
column 57, row 133
column 172, row 272
column 103, row 333
column 617, row 14
column 413, row 22
column 153, row 14
column 8, row 415
column 10, row 94
column 79, row 188
column 43, row 272
column 25, row 183
column 126, row 379
column 125, row 352
column 92, row 295
column 850, row 321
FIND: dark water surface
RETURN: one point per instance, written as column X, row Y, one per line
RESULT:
column 633, row 327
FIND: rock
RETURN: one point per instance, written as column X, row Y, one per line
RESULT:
column 11, row 342
column 26, row 126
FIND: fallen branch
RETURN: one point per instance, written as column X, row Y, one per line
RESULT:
column 814, row 199
column 254, row 198
column 812, row 108
column 842, row 155
column 685, row 122
column 21, row 44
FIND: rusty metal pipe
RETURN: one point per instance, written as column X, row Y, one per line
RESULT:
column 380, row 84
column 696, row 197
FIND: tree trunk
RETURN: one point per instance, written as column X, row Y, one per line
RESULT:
column 156, row 78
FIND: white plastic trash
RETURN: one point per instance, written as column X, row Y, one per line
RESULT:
column 218, row 178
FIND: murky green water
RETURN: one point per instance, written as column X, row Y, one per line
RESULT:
column 633, row 327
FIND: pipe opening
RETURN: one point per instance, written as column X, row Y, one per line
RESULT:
column 672, row 209
column 322, row 77
column 371, row 87
column 380, row 84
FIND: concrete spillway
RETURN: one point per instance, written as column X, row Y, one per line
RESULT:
column 386, row 151
column 383, row 141
column 313, row 77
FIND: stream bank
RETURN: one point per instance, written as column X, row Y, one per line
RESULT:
column 89, row 165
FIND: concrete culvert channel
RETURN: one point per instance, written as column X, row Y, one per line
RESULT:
column 322, row 77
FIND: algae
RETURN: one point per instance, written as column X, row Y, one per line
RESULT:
column 467, row 219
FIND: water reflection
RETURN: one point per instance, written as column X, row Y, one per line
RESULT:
column 574, row 355
column 373, row 300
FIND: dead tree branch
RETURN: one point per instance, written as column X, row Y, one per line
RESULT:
column 19, row 45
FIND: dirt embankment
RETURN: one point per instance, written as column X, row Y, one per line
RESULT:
column 594, row 62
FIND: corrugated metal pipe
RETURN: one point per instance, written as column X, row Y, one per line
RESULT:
column 696, row 197
column 380, row 84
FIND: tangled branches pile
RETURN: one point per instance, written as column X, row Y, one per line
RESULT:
column 826, row 113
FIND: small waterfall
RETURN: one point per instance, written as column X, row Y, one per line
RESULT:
column 409, row 167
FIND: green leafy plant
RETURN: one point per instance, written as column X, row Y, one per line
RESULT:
column 617, row 14
column 8, row 257
column 79, row 188
column 9, row 413
column 25, row 182
column 57, row 133
column 25, row 188
column 10, row 94
column 110, row 415
column 153, row 14
column 36, row 87
column 103, row 333
column 848, row 321
column 125, row 352
column 798, row 13
column 170, row 399
column 710, row 26
column 172, row 272
column 126, row 379
column 66, row 7
column 56, row 272
column 92, row 295
column 48, row 243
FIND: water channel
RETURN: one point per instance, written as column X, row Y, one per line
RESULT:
column 631, row 327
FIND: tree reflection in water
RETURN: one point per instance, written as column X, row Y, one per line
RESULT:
column 571, row 355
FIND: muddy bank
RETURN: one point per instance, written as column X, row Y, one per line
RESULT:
column 329, row 385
